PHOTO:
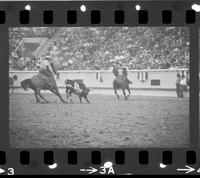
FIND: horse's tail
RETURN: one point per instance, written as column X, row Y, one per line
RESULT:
column 14, row 77
column 25, row 84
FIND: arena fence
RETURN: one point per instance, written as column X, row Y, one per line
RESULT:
column 151, row 80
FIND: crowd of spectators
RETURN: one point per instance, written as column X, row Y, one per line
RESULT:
column 18, row 59
column 85, row 48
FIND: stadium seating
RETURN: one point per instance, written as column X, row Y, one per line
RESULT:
column 84, row 48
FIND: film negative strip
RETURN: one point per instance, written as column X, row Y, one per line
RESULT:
column 99, row 87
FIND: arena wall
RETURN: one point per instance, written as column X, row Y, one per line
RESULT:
column 101, row 80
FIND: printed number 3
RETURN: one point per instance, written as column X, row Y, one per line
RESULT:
column 11, row 171
column 103, row 170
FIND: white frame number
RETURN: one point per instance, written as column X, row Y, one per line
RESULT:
column 11, row 171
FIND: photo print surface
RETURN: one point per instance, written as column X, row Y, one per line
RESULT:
column 105, row 87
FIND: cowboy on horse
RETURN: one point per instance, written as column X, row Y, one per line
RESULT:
column 47, row 71
column 124, row 72
column 44, row 80
column 121, row 81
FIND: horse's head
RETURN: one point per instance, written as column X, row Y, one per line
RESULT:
column 25, row 84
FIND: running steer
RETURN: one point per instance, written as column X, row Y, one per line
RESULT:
column 77, row 88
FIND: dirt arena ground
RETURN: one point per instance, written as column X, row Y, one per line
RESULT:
column 142, row 121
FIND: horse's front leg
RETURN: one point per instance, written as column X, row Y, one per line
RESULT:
column 116, row 94
column 125, row 97
column 129, row 92
column 55, row 91
column 86, row 99
column 41, row 96
column 80, row 98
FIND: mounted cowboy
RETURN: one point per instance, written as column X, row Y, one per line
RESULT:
column 125, row 73
column 44, row 80
column 47, row 70
column 121, row 81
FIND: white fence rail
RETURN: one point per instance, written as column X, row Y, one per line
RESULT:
column 158, row 79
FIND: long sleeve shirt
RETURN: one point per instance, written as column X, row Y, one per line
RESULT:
column 44, row 64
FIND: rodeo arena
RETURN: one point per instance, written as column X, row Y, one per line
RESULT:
column 98, row 87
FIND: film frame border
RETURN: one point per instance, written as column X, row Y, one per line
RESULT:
column 107, row 10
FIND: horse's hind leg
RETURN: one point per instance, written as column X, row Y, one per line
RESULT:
column 129, row 91
column 116, row 94
column 36, row 96
column 125, row 97
column 41, row 96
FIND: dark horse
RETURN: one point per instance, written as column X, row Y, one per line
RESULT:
column 11, row 82
column 121, row 82
column 38, row 83
column 70, row 88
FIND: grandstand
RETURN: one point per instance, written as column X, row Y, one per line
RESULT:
column 88, row 48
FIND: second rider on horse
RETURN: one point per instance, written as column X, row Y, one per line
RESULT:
column 124, row 72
